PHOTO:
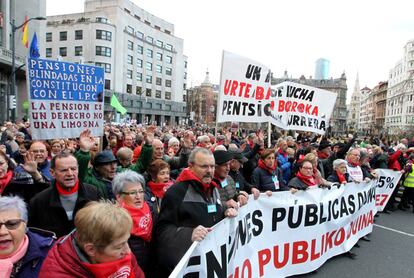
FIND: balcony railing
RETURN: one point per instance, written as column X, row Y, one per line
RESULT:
column 6, row 57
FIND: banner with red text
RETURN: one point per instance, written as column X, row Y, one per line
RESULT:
column 386, row 183
column 245, row 93
column 65, row 98
column 301, row 107
column 283, row 235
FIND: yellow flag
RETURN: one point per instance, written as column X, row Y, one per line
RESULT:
column 25, row 38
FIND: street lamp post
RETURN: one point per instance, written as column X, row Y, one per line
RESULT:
column 14, row 28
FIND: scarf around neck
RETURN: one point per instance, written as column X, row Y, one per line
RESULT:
column 121, row 268
column 353, row 164
column 262, row 165
column 187, row 175
column 6, row 264
column 159, row 189
column 63, row 191
column 141, row 221
column 4, row 181
column 309, row 181
column 341, row 177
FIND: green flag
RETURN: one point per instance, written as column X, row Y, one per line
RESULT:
column 118, row 106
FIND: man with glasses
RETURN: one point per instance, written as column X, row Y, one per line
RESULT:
column 188, row 210
column 55, row 208
column 36, row 163
column 353, row 167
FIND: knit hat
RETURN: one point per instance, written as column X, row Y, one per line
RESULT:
column 222, row 157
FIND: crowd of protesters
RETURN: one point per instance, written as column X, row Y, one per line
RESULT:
column 133, row 201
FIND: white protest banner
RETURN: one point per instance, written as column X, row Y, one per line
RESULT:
column 301, row 107
column 386, row 183
column 245, row 93
column 65, row 98
column 283, row 235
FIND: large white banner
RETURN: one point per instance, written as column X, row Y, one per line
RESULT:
column 386, row 183
column 285, row 234
column 245, row 92
column 65, row 98
column 301, row 107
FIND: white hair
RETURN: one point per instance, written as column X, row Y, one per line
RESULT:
column 173, row 141
column 16, row 203
column 128, row 176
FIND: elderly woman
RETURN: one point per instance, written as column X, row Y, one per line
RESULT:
column 97, row 248
column 305, row 178
column 129, row 191
column 267, row 176
column 160, row 181
column 22, row 250
column 173, row 146
column 339, row 175
column 55, row 147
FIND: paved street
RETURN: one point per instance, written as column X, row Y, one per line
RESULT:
column 389, row 254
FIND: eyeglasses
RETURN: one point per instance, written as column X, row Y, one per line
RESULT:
column 133, row 193
column 307, row 168
column 12, row 224
column 205, row 166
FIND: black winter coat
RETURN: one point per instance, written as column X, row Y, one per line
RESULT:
column 46, row 211
column 263, row 180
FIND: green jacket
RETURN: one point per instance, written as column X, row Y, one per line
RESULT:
column 104, row 186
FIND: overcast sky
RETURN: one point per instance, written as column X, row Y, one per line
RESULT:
column 356, row 36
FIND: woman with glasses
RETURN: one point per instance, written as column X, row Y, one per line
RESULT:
column 22, row 250
column 97, row 248
column 128, row 188
column 304, row 178
column 339, row 174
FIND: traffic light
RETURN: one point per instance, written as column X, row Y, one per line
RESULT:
column 12, row 102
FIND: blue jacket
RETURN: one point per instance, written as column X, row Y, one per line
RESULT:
column 39, row 244
column 284, row 164
column 263, row 180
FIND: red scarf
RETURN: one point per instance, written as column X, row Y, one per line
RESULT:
column 187, row 175
column 262, row 165
column 159, row 189
column 322, row 155
column 309, row 181
column 121, row 268
column 142, row 221
column 251, row 144
column 4, row 181
column 63, row 191
column 354, row 164
column 341, row 177
column 281, row 152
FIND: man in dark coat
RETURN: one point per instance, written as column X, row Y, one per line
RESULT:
column 54, row 208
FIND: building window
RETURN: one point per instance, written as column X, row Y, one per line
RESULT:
column 139, row 34
column 167, row 32
column 48, row 52
column 167, row 95
column 103, row 51
column 148, row 92
column 129, row 88
column 102, row 20
column 63, row 51
column 185, row 75
column 168, row 47
column 149, row 53
column 106, row 66
column 129, row 74
column 148, row 79
column 148, row 66
column 78, row 34
column 158, row 94
column 138, row 90
column 127, row 11
column 168, row 83
column 78, row 51
column 157, row 27
column 63, row 36
column 129, row 59
column 168, row 59
column 49, row 36
column 139, row 63
column 140, row 49
column 158, row 69
column 103, row 35
column 130, row 45
column 139, row 76
column 185, row 64
column 149, row 39
column 160, row 43
column 137, row 17
column 168, row 71
column 159, row 56
column 130, row 29
column 107, row 84
column 158, row 81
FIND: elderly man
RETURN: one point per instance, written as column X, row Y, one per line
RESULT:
column 54, row 208
column 188, row 211
column 39, row 166
column 353, row 167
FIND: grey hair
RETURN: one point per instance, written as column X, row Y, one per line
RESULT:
column 173, row 141
column 202, row 138
column 338, row 162
column 124, row 150
column 128, row 176
column 194, row 152
column 16, row 203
